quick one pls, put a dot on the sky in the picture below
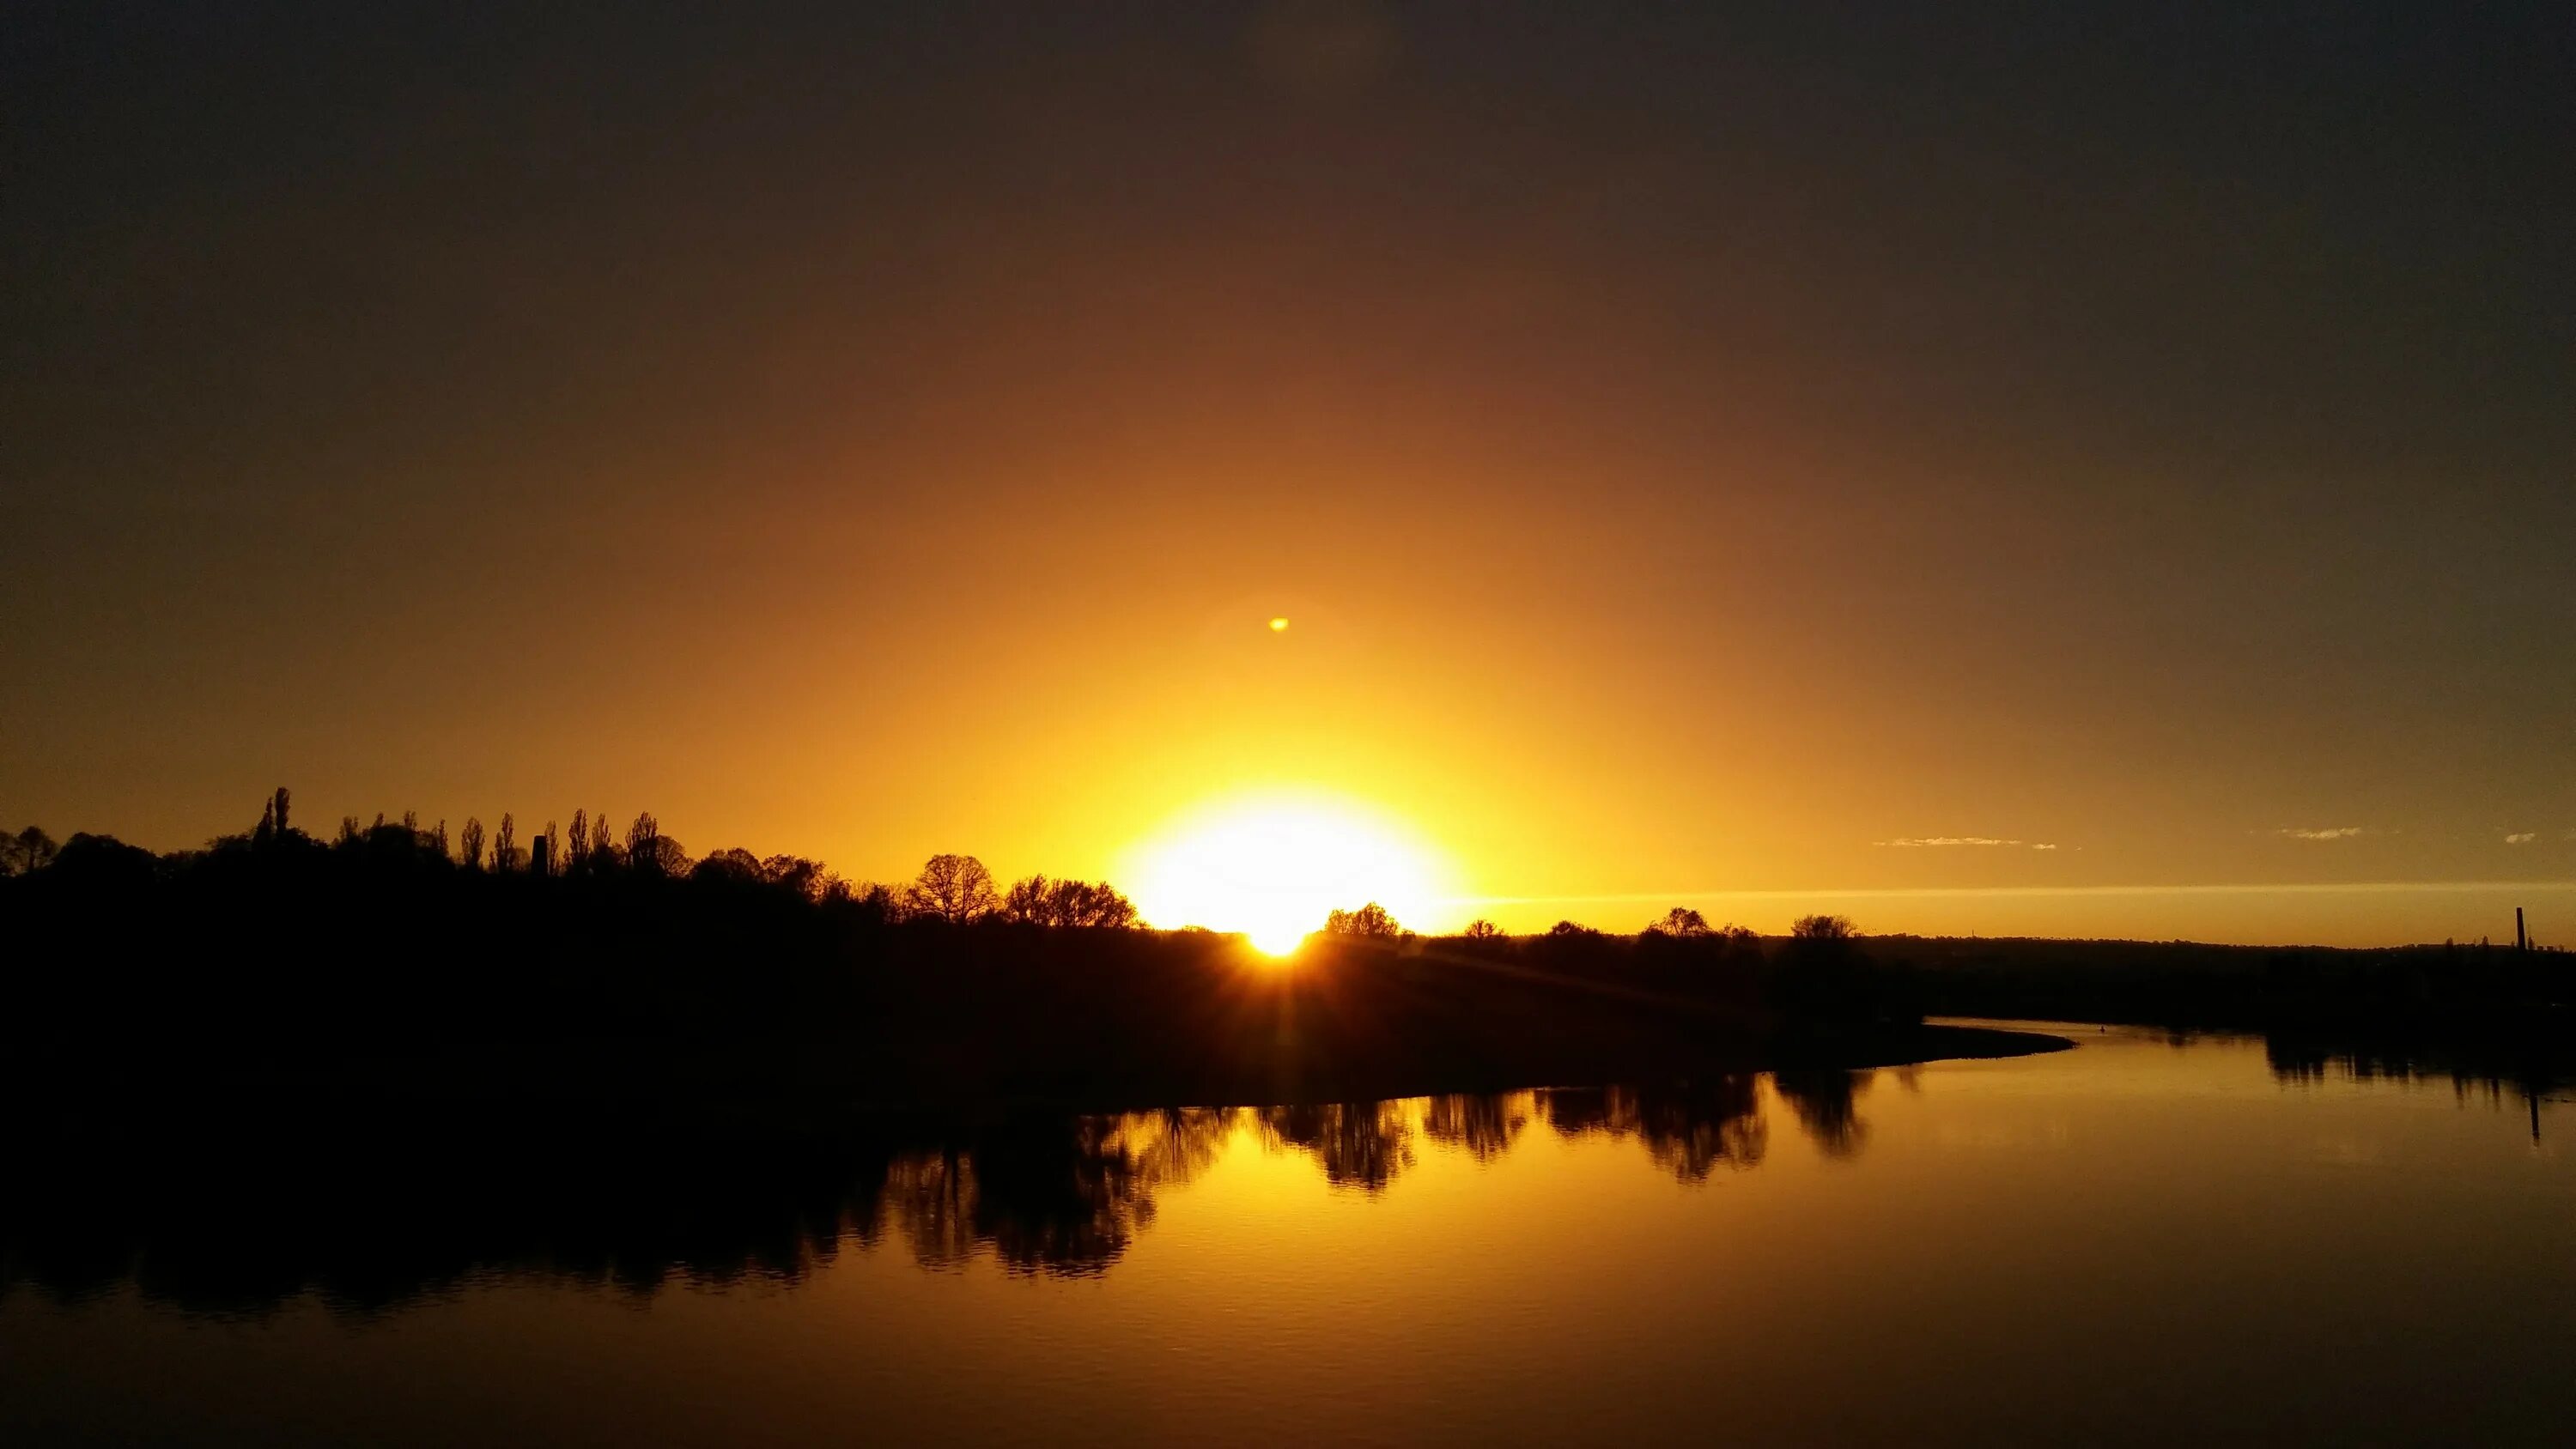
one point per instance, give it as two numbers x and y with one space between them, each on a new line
2072 470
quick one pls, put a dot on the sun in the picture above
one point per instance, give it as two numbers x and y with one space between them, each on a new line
1272 867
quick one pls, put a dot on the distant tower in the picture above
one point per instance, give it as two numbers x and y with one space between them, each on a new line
537 851
2521 942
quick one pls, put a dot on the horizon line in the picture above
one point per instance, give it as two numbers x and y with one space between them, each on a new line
1919 892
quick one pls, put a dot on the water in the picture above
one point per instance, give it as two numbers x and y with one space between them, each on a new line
2134 1241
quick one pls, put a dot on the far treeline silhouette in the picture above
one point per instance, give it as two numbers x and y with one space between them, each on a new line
593 962
590 961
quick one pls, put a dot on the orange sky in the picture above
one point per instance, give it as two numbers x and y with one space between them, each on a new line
1694 459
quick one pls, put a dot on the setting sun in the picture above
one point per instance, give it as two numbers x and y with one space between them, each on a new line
1273 867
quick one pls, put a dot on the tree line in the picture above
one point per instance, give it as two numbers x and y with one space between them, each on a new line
950 889
1680 924
597 960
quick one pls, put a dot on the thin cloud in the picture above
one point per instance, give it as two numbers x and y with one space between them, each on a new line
2522 837
2239 888
2337 832
1919 842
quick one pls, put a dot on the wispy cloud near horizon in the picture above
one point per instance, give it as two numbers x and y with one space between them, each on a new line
2337 832
1918 842
2522 837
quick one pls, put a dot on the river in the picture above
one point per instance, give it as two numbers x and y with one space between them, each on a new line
2140 1240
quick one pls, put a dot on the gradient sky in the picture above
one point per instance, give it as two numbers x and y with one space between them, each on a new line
1701 449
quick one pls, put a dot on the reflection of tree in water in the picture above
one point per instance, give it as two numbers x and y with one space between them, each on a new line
2498 1067
1484 1125
1176 1144
1061 1196
2492 1069
931 1197
1360 1144
1689 1129
366 1223
1823 1102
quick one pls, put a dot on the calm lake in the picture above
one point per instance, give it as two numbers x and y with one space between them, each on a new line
2137 1241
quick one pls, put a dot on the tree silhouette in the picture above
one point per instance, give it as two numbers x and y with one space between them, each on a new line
1823 973
506 856
650 852
104 860
1481 929
667 857
1682 922
1026 903
1823 928
956 889
272 820
1093 905
643 841
1038 901
603 849
736 865
28 851
469 844
1369 922
807 878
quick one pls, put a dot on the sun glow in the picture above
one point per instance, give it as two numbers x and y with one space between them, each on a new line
1274 867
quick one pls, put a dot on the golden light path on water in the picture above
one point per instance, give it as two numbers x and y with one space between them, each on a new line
1273 865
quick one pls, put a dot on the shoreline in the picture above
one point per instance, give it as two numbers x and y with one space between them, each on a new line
550 1083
